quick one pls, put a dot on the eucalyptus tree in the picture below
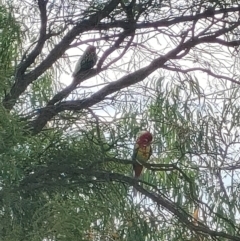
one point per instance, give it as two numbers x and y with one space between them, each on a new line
167 66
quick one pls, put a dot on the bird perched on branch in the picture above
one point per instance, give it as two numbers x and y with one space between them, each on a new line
141 153
86 61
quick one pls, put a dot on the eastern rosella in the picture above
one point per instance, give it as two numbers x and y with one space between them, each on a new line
141 153
86 61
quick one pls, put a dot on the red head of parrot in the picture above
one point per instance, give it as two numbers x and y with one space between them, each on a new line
144 138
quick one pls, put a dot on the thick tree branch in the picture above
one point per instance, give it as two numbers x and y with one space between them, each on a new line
167 22
49 112
21 84
43 179
40 43
90 73
94 23
183 216
150 166
76 81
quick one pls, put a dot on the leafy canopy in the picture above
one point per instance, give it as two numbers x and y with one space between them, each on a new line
166 66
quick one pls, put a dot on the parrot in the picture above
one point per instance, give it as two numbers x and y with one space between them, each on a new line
86 61
141 153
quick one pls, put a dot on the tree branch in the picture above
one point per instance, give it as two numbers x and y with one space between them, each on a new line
21 84
49 112
40 43
208 71
94 23
79 78
167 22
43 179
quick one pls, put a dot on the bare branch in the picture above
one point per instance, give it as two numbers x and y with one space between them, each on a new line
166 22
49 112
76 81
24 80
208 71
114 47
40 43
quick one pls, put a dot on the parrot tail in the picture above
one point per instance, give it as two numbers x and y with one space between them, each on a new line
137 169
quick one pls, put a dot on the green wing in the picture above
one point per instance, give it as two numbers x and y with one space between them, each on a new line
150 152
135 152
138 155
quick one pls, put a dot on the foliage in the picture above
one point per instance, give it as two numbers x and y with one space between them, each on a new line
166 66
10 39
